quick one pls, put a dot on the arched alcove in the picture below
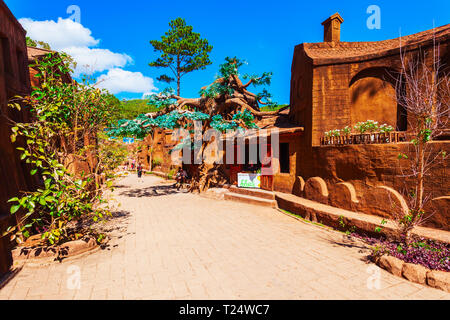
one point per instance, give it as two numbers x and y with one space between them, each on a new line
373 97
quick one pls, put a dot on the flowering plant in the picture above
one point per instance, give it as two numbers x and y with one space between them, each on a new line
360 127
346 131
336 133
433 255
371 126
384 128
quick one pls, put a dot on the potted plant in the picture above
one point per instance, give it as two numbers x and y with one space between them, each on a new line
346 132
386 130
360 127
336 133
372 127
327 139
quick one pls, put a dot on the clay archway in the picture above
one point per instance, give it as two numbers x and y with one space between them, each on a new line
316 189
373 97
299 186
384 201
343 195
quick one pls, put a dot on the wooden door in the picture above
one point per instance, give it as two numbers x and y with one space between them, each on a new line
235 168
266 171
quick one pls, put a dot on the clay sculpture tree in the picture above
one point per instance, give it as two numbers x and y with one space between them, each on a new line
226 104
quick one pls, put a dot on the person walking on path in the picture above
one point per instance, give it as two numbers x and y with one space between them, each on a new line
180 177
139 170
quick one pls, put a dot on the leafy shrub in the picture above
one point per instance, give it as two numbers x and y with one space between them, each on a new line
61 113
346 131
171 174
370 126
431 254
384 128
156 162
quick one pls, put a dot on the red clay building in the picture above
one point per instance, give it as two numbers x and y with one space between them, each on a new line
336 84
14 80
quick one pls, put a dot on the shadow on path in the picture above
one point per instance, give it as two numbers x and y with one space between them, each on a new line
6 278
349 242
154 191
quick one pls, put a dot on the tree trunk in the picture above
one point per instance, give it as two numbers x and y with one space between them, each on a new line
75 133
178 76
420 177
208 175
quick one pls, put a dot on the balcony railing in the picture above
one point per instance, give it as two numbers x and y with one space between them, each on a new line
365 138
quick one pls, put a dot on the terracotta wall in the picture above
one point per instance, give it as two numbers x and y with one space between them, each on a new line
286 182
301 111
14 80
33 79
366 178
331 96
157 147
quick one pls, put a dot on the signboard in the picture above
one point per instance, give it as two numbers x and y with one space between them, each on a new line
128 140
249 180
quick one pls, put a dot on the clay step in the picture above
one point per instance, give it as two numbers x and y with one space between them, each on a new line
258 193
250 199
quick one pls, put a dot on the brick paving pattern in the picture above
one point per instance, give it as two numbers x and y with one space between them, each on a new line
170 245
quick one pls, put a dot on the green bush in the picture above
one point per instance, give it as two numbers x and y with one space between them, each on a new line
61 113
171 174
156 162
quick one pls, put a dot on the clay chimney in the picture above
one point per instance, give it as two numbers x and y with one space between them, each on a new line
332 28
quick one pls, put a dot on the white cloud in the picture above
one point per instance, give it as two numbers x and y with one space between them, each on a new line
119 80
76 40
147 95
59 35
91 60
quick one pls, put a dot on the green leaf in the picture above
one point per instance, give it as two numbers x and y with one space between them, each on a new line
14 209
50 199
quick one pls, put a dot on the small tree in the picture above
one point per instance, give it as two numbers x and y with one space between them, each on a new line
112 154
182 51
37 44
61 113
423 89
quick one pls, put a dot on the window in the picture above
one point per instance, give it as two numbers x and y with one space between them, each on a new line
6 52
20 64
285 163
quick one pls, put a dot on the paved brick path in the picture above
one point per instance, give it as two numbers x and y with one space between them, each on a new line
169 245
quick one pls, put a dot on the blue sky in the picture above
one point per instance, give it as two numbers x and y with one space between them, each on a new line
263 33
